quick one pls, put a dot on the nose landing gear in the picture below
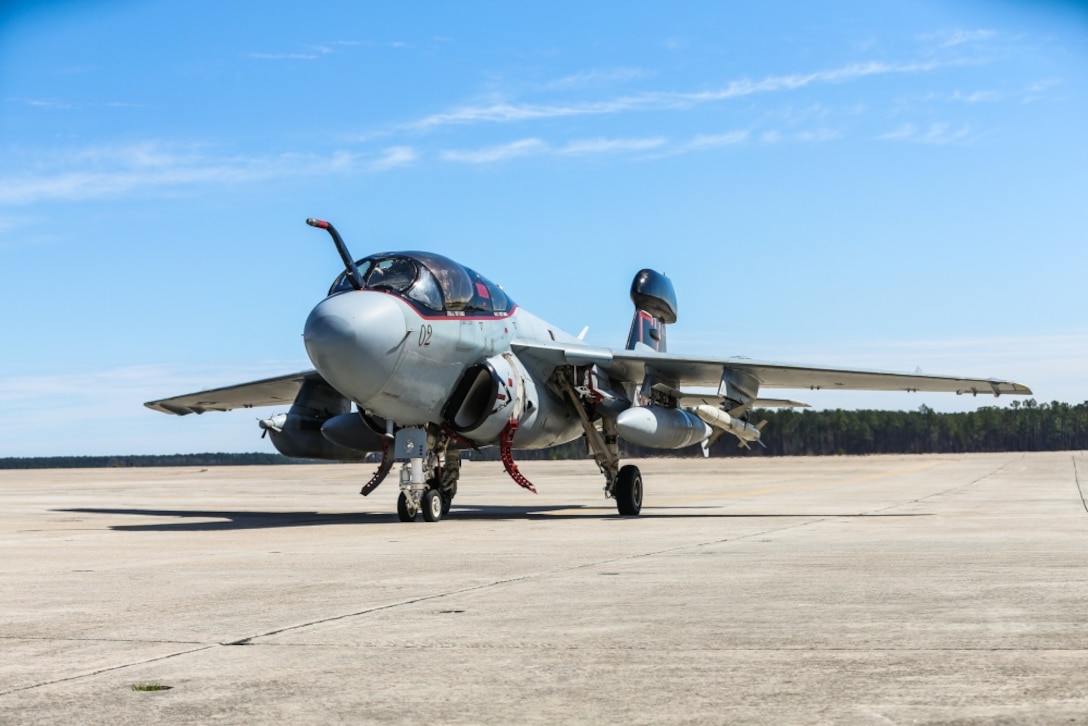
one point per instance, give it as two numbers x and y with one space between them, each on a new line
432 496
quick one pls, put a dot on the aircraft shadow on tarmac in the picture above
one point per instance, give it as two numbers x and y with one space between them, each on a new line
235 520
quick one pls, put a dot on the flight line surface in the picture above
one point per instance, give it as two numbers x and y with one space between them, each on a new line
880 589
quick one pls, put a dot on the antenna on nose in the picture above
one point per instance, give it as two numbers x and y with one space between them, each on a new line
349 264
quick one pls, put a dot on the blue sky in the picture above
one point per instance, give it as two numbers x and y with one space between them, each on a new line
895 185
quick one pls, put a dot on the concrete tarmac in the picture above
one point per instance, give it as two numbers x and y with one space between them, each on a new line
883 589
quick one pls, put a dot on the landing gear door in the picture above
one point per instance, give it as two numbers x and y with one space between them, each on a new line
410 443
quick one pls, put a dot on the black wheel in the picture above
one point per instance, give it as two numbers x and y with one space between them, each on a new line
447 502
403 510
628 491
432 505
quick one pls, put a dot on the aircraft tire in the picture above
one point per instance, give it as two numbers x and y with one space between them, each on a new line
447 494
432 505
404 511
628 491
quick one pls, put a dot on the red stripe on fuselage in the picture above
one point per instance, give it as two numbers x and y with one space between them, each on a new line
439 316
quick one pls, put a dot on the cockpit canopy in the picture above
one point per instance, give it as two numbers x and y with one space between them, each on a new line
429 281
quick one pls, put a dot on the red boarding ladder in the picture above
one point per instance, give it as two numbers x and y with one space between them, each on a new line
506 451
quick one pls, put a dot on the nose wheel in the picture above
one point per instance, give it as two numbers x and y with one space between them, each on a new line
406 508
432 504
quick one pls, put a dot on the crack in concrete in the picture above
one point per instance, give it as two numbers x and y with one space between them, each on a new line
107 669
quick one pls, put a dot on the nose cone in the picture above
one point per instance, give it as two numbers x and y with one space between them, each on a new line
355 340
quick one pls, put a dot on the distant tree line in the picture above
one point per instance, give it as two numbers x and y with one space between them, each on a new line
1027 426
107 462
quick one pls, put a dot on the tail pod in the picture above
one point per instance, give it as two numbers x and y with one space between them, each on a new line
655 307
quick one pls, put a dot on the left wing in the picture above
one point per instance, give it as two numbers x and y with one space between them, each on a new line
266 392
749 374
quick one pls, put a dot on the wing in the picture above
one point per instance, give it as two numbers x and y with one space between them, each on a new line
750 375
701 372
267 392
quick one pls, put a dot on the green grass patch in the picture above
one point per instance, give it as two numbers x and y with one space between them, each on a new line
150 687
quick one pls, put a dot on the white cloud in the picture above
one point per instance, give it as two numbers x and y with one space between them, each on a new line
952 38
595 78
936 133
816 136
110 171
709 141
1037 90
284 56
393 157
660 144
494 154
903 132
535 146
102 411
50 104
512 112
53 104
607 146
976 96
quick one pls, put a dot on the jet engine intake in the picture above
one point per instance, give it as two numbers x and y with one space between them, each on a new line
489 395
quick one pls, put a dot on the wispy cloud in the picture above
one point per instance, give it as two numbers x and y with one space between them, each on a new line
816 136
660 145
535 146
1038 89
393 157
108 171
710 141
976 96
284 56
936 133
609 146
54 104
495 154
65 411
595 78
308 53
953 38
503 112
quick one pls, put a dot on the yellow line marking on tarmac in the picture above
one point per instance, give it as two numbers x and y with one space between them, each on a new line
793 487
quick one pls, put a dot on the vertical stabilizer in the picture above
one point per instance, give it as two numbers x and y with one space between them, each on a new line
655 307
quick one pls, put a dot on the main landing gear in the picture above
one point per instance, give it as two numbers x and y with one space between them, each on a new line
622 484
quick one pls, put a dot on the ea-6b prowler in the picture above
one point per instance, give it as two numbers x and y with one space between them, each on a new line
417 356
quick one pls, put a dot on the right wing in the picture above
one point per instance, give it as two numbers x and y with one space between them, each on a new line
266 392
750 375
